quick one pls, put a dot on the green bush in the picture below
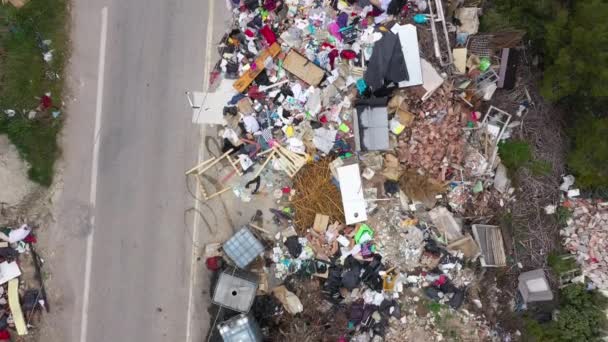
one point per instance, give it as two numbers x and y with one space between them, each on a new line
516 154
575 53
560 264
529 15
588 158
580 317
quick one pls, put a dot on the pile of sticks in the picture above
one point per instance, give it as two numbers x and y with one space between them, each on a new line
315 194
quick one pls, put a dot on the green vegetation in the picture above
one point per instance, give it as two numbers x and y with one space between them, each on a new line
434 307
575 53
562 215
580 318
560 263
24 75
516 154
571 39
589 157
519 14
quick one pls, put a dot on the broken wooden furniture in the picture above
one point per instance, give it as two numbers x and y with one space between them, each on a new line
492 247
199 170
443 52
494 124
289 161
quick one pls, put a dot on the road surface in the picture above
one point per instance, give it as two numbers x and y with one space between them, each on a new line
120 251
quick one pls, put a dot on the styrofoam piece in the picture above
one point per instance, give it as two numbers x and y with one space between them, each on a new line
352 194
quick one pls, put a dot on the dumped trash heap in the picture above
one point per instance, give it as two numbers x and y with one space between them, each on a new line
586 236
374 116
22 291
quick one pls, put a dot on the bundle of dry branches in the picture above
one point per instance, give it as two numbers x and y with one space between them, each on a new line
315 194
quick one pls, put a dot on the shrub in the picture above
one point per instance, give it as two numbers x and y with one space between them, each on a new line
516 154
580 318
588 158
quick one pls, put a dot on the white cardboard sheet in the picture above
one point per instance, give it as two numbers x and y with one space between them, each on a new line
208 108
409 44
352 194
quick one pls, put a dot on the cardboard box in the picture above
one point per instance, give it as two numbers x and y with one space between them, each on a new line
321 222
303 68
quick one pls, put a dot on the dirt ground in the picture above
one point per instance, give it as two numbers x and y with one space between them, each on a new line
13 175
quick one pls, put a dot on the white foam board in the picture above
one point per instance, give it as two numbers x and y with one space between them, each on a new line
352 194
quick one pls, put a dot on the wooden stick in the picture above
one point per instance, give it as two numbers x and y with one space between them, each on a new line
260 229
264 164
199 166
215 162
219 193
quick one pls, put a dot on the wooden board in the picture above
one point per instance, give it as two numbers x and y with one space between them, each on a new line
245 80
15 306
303 68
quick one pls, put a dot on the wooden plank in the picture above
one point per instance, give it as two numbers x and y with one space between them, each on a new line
265 162
245 80
192 170
15 306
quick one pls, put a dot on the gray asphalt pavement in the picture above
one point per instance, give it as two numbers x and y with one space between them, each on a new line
142 243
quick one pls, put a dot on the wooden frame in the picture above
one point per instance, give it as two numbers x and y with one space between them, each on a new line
201 168
290 162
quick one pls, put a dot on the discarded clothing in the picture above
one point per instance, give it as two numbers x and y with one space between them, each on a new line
294 246
387 63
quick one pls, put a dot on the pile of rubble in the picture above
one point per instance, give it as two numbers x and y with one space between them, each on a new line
586 236
383 154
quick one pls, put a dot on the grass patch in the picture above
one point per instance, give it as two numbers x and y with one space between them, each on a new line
562 215
516 154
561 263
25 75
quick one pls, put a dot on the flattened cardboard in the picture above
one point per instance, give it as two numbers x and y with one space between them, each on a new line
303 68
321 223
408 36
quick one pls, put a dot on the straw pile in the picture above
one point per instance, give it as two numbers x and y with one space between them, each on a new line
315 194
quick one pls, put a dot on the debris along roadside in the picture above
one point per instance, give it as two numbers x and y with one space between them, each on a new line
22 291
382 159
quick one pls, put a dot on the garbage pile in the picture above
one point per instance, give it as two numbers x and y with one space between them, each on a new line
386 153
22 293
586 236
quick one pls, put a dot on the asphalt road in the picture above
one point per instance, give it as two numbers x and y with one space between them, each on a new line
121 249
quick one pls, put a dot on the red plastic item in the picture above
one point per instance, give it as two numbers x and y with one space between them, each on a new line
30 239
348 54
46 102
270 5
332 57
213 263
270 37
5 335
286 190
249 33
442 280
